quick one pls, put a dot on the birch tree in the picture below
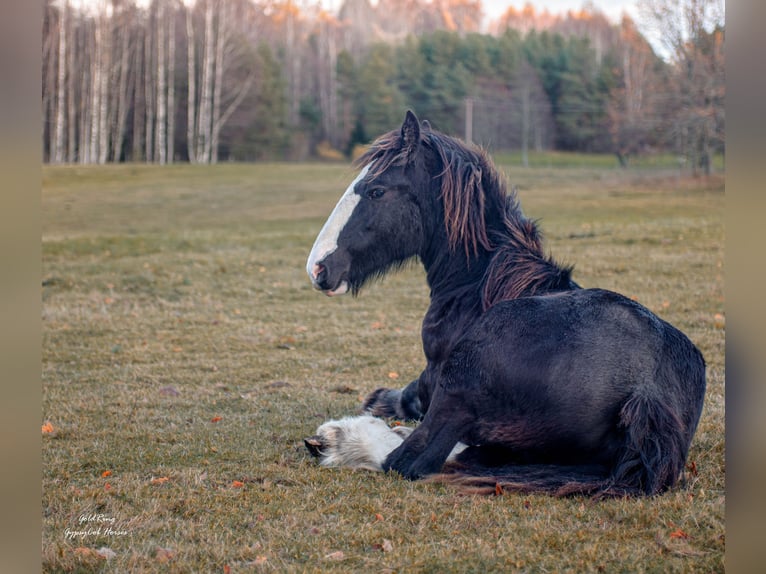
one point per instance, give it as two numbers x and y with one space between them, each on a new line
149 93
206 98
191 95
58 151
220 40
631 109
95 93
121 111
72 91
171 84
162 95
139 97
104 23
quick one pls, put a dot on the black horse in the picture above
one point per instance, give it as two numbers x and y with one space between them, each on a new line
554 388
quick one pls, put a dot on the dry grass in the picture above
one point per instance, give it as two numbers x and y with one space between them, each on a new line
182 341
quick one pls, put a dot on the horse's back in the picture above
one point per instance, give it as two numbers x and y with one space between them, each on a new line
593 325
583 351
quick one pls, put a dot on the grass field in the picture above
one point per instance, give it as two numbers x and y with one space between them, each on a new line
185 357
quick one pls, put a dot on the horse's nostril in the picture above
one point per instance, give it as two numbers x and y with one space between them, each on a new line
320 274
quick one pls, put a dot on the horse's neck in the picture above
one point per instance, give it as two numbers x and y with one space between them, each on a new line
446 321
455 302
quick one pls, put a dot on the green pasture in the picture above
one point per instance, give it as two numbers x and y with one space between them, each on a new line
186 356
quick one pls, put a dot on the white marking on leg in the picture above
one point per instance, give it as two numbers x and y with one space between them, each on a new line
327 240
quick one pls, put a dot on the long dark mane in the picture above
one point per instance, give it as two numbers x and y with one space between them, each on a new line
480 214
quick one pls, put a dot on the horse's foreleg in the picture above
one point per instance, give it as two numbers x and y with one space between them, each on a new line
402 404
425 451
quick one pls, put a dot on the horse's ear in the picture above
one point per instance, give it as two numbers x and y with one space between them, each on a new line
425 125
410 133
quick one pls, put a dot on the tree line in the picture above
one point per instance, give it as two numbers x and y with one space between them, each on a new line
249 80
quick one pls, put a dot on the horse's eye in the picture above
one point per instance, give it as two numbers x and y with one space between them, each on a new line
376 193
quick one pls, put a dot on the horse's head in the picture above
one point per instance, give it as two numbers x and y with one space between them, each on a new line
378 222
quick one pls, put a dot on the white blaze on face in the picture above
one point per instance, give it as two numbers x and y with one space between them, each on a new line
327 240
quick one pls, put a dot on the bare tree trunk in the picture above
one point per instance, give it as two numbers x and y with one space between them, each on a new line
294 66
86 84
327 81
48 90
58 152
95 102
244 89
71 97
139 102
119 130
149 98
161 86
204 126
218 82
106 66
191 105
333 108
171 84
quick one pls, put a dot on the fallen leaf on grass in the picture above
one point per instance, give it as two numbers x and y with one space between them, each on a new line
692 468
393 375
337 555
107 486
106 473
48 428
498 489
679 534
238 484
163 555
215 419
159 480
378 517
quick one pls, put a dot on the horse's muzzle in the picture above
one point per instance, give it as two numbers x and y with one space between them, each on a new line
320 279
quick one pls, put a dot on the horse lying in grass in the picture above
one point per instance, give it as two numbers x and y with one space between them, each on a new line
552 388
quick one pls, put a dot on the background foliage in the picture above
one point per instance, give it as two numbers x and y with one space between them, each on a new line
271 79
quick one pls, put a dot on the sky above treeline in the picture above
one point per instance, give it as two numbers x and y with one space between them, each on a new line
492 8
613 9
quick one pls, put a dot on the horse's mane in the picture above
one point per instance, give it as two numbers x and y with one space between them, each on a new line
474 194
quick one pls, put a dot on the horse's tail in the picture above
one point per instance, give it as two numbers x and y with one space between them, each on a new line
655 443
